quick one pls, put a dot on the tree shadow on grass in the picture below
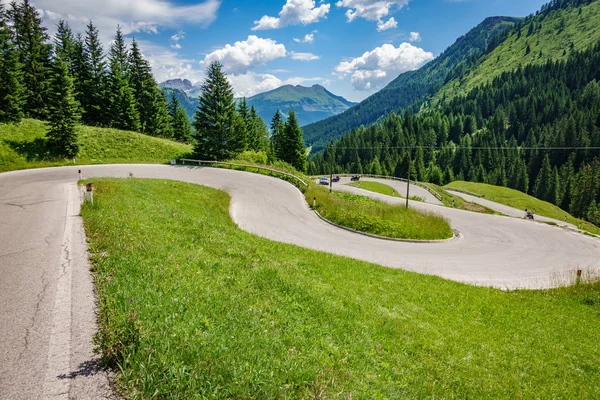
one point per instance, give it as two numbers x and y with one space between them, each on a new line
35 150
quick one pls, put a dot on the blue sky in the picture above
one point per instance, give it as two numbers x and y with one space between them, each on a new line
352 47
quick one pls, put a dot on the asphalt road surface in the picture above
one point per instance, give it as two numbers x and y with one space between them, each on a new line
46 294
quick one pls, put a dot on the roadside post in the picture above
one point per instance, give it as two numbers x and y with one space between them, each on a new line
408 182
330 183
79 172
89 193
314 202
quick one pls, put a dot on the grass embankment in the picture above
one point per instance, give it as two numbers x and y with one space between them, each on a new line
450 200
357 212
366 215
381 188
521 201
24 146
193 307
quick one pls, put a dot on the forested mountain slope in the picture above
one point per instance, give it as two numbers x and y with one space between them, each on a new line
411 87
536 129
558 29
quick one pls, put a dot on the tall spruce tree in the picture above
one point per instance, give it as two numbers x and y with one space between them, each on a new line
294 151
215 117
257 133
11 90
63 113
30 39
144 88
123 111
182 128
160 122
64 43
78 68
277 132
94 90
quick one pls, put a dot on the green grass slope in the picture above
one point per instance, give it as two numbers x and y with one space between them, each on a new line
554 35
193 307
521 201
24 146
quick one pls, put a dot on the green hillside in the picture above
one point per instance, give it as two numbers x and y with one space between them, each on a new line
309 103
24 146
410 88
551 35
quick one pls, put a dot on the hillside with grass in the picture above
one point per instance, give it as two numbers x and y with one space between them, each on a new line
550 35
197 308
24 146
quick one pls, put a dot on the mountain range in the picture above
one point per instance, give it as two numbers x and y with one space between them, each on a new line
310 104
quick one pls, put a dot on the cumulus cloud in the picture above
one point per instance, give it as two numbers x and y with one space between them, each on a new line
415 37
384 26
304 56
308 38
167 64
372 10
294 12
246 54
376 68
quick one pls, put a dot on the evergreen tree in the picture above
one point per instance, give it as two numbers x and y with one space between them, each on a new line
244 124
94 96
182 128
419 173
257 134
30 39
144 87
294 151
215 118
11 90
78 68
64 43
277 132
160 122
63 113
123 112
543 184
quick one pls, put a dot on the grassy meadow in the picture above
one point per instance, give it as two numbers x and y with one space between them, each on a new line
23 146
521 201
190 306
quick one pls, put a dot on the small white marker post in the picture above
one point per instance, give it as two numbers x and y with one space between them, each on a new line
314 202
79 172
89 194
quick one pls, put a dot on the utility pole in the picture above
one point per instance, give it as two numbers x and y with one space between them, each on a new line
330 182
408 183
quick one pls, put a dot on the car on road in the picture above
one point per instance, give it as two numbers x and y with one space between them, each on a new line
336 178
355 178
324 181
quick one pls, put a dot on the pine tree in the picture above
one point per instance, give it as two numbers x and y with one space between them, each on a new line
30 39
160 122
543 184
182 128
94 99
78 68
11 90
244 124
215 117
277 131
64 43
144 86
63 113
257 135
123 112
294 150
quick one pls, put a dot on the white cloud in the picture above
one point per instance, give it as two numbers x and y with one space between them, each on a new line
167 64
415 37
176 38
384 26
304 56
294 12
376 68
308 38
372 10
246 54
132 15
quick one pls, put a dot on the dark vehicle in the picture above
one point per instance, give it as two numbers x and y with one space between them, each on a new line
529 215
355 178
336 178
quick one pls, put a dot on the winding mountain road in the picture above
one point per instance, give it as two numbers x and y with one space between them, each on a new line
46 293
